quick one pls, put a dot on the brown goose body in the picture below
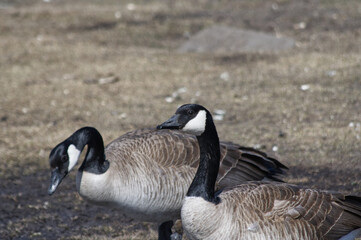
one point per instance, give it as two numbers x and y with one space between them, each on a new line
257 210
150 171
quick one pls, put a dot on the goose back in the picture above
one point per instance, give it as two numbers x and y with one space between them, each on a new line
172 148
272 211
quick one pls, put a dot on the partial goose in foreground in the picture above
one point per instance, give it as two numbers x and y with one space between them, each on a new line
146 173
255 210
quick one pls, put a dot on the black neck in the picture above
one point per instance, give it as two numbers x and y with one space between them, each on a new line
94 161
203 184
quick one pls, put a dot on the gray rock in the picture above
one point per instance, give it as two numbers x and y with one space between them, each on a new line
221 39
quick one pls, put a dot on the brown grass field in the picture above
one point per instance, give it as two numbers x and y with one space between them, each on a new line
52 55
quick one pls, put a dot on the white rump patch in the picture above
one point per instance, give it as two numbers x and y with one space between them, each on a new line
73 154
197 125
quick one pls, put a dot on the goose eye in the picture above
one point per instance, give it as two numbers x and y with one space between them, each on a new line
190 112
64 158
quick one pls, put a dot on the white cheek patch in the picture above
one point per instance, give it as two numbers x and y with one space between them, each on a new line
73 154
197 125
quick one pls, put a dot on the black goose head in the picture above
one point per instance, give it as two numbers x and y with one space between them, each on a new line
191 118
62 159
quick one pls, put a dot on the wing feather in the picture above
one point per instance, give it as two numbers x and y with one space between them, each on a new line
332 214
170 148
239 164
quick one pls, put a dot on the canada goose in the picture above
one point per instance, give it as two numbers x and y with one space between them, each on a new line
255 210
146 173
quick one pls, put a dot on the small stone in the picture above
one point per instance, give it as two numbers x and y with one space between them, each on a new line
182 90
122 115
331 73
305 87
169 99
40 38
102 81
41 153
131 6
68 76
257 146
107 80
274 6
224 76
117 14
219 114
218 117
300 25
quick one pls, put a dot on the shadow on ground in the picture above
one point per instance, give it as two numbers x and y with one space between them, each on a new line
28 212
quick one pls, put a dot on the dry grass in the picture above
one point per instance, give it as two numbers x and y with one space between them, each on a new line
51 52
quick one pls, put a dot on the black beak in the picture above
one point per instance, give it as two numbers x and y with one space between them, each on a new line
56 178
171 123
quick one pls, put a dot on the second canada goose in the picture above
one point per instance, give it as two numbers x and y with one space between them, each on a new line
146 173
255 210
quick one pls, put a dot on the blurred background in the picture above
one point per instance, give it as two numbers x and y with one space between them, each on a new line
282 76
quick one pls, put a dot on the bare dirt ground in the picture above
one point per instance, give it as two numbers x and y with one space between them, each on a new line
303 106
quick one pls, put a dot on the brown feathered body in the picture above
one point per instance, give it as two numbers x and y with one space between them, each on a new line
150 172
257 210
